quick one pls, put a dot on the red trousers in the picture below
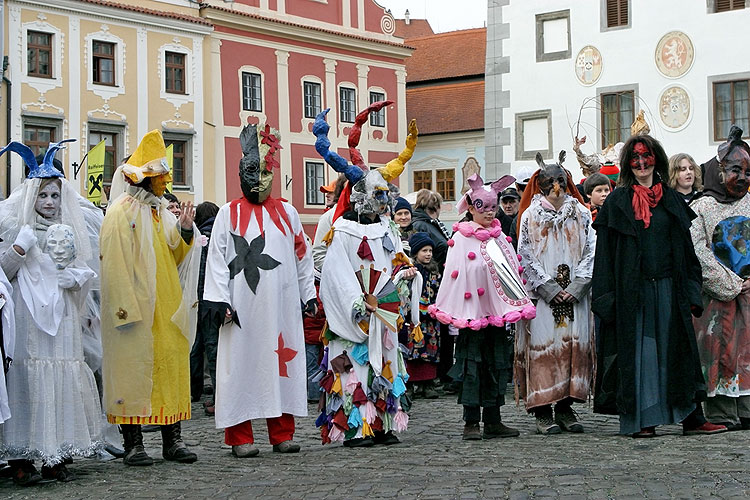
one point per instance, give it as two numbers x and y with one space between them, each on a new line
280 429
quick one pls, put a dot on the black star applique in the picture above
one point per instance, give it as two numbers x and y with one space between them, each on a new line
250 260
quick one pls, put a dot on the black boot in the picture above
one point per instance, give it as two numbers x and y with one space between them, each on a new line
173 447
135 453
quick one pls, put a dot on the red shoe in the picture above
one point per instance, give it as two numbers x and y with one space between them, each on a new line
707 428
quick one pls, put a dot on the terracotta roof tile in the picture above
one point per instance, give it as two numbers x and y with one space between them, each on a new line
447 55
415 28
143 10
445 108
289 23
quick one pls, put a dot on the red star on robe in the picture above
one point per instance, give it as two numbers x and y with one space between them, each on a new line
285 356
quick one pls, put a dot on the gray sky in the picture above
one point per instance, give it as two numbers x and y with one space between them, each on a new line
443 15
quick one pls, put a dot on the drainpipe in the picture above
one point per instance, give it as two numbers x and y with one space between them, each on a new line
8 85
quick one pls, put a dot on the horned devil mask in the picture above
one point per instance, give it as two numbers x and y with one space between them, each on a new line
258 161
372 192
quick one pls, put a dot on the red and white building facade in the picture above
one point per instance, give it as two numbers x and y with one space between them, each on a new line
281 62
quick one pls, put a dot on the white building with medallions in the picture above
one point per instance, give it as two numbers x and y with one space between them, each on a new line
557 67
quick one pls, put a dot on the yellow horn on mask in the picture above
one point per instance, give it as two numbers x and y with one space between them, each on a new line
393 168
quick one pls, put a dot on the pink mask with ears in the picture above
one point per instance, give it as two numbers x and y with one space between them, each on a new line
483 198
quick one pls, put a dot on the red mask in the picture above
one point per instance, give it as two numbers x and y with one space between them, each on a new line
643 157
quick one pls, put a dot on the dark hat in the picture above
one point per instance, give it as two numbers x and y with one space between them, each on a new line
418 241
402 203
734 140
510 192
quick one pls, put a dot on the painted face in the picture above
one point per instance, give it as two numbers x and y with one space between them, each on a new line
736 169
60 245
685 174
159 184
484 218
643 162
424 256
174 207
48 201
599 194
510 206
402 218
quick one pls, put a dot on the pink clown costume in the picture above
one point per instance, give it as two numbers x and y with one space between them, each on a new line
482 283
482 292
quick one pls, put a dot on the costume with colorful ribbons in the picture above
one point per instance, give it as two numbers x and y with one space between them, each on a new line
362 355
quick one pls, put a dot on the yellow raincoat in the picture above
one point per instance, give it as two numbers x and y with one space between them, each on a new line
146 320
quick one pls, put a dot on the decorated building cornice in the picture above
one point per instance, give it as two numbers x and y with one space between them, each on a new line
254 22
124 13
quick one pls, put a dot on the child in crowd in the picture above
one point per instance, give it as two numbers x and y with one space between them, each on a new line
597 187
481 294
423 340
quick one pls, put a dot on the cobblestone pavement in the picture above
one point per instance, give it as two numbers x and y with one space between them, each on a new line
432 462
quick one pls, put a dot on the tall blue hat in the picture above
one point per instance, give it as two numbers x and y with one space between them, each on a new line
46 169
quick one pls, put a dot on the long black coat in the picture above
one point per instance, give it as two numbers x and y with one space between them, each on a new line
616 289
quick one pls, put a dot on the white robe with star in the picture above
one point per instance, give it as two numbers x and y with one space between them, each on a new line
260 365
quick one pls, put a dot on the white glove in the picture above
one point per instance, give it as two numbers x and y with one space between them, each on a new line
26 238
65 279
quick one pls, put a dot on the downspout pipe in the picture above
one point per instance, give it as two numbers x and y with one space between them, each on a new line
8 85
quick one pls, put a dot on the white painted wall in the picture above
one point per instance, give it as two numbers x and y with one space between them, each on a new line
628 58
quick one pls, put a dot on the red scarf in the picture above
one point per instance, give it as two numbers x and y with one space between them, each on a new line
644 199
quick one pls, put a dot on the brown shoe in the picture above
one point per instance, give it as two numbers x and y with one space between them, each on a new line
546 426
499 430
472 432
567 421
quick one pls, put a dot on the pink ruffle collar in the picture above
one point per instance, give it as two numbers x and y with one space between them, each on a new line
470 228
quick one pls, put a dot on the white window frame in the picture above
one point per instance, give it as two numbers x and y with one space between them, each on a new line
318 81
347 86
176 100
106 127
106 92
245 114
42 84
380 91
305 162
188 138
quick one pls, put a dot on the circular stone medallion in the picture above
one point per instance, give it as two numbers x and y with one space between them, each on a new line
588 65
674 54
675 107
